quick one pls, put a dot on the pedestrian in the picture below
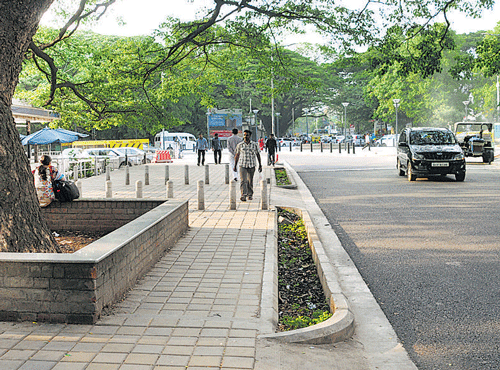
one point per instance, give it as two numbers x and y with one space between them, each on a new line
232 142
367 141
201 146
247 151
271 147
217 148
44 175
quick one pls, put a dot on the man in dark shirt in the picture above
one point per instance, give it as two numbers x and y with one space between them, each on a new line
216 147
271 147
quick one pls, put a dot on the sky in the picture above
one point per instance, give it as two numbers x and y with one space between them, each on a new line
142 17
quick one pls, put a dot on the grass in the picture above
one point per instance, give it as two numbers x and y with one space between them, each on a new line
281 177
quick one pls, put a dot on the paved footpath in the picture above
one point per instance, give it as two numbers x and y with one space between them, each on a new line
198 308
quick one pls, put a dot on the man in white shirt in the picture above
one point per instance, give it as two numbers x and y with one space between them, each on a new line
232 142
248 153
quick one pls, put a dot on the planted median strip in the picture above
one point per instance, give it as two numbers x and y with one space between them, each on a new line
301 300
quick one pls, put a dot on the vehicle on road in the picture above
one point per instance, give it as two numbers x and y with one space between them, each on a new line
476 139
105 153
428 151
386 140
134 155
168 140
286 141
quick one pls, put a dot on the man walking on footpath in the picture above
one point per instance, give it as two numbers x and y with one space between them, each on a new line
201 146
232 142
271 147
247 151
216 147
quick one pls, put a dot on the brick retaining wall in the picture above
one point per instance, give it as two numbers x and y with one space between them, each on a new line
74 288
96 214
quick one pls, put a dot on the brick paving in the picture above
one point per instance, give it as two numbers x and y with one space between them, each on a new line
198 308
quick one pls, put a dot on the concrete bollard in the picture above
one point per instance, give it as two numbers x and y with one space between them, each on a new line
264 204
170 189
79 185
167 174
232 195
186 174
207 174
201 196
108 173
138 189
146 175
226 174
109 192
127 175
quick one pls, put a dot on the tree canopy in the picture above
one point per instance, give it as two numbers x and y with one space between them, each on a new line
141 81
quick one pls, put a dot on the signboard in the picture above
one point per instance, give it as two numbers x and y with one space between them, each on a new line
352 129
221 133
225 119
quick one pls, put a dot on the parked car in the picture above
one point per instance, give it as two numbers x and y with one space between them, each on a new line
71 152
429 152
134 155
285 141
105 153
386 140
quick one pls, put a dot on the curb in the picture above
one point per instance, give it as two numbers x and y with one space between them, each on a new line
293 184
337 328
340 326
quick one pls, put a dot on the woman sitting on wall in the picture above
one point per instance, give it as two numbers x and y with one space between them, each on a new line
45 174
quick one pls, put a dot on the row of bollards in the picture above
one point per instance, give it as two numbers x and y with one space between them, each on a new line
264 204
167 174
138 189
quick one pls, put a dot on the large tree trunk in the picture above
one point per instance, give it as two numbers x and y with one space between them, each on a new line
22 228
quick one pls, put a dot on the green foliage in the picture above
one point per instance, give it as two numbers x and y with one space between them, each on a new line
281 176
298 322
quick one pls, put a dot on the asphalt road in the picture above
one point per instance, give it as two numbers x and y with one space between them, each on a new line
429 251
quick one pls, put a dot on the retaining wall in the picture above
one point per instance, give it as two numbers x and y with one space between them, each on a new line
74 288
103 215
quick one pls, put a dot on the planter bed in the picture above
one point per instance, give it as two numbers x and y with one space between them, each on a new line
76 287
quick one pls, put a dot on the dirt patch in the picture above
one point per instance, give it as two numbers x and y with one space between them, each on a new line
71 241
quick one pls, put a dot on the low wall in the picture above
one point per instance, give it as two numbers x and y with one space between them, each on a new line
74 288
103 215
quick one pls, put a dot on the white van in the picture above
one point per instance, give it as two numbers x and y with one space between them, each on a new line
165 139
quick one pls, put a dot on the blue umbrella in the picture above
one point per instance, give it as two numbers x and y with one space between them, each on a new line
48 136
63 130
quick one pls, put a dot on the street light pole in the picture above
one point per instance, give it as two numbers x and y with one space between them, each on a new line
396 105
498 101
466 103
278 124
306 111
345 117
208 128
255 111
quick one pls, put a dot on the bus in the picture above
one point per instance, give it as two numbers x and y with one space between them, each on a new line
165 139
88 144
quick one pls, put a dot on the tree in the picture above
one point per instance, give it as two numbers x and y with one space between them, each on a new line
251 24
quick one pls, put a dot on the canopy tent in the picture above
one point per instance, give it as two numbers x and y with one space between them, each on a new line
69 132
48 136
